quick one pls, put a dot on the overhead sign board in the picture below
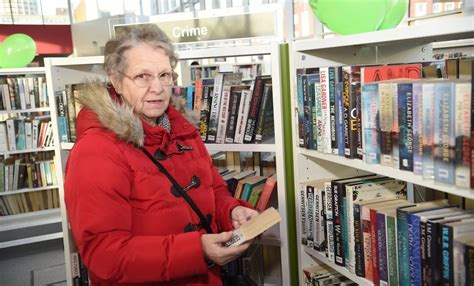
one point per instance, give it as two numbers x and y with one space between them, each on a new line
252 25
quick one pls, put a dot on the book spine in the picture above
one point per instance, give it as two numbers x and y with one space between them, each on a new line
252 118
367 243
337 207
428 111
332 109
303 211
310 212
299 91
313 97
395 130
444 133
405 123
382 249
386 92
234 103
358 242
204 113
413 224
329 222
423 250
307 112
325 110
374 244
265 116
370 116
214 110
402 242
446 244
359 131
242 117
339 119
390 224
417 129
463 134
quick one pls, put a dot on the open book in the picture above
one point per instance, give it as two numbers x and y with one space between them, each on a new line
254 227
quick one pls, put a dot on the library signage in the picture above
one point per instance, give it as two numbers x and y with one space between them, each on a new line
217 28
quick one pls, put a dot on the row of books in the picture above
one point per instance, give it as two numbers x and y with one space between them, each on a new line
232 110
17 174
324 275
67 109
366 225
24 133
414 125
23 92
29 202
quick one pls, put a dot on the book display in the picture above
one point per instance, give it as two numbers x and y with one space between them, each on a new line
30 219
366 107
65 74
28 186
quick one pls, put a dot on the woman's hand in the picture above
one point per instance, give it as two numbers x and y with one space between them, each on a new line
241 214
215 251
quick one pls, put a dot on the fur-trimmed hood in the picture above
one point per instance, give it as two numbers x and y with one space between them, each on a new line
120 118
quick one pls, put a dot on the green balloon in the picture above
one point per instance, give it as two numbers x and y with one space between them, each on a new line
347 17
17 50
395 13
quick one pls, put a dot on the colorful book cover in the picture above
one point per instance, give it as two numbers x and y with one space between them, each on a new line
332 108
444 140
395 130
417 128
313 94
325 110
386 92
339 119
387 72
300 100
405 124
463 134
351 86
370 118
402 236
363 191
428 112
329 221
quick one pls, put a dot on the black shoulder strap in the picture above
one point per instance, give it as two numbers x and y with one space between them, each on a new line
181 191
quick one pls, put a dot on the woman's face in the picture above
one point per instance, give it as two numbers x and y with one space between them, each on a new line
140 86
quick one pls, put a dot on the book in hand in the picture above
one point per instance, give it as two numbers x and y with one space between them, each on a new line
254 227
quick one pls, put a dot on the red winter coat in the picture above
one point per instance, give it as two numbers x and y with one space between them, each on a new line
129 228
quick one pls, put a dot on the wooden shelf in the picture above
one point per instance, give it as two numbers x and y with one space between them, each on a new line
322 258
390 172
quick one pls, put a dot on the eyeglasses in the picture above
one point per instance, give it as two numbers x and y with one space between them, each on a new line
145 80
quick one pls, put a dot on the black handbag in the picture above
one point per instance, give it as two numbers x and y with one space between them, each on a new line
227 278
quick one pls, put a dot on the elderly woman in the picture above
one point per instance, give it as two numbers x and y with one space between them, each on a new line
130 226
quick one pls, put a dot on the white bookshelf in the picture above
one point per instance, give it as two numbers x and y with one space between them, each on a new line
62 71
21 224
399 45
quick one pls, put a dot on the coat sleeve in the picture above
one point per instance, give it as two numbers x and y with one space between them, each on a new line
97 188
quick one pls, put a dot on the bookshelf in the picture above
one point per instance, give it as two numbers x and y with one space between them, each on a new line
31 231
62 71
400 45
17 227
